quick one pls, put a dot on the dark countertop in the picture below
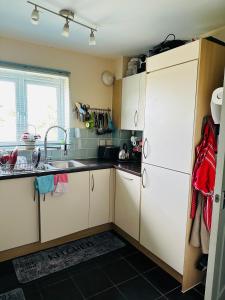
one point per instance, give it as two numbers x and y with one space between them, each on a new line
131 167
89 164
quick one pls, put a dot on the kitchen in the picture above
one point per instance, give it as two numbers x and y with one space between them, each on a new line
98 153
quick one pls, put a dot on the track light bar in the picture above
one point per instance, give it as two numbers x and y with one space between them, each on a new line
68 19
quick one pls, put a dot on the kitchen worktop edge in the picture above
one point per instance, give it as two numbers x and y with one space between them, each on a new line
89 165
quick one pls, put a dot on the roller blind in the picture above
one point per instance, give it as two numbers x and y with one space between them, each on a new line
31 99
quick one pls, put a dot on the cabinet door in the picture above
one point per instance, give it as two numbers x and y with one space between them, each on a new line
18 213
164 206
127 203
130 98
67 213
169 117
99 197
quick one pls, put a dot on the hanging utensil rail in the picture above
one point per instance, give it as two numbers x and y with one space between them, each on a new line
99 109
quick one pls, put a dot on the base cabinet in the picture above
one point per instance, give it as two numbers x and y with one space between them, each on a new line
127 203
164 206
67 213
99 212
19 224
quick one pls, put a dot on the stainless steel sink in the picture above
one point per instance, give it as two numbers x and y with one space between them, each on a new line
65 164
52 165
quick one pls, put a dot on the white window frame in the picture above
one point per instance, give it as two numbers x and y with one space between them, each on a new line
21 79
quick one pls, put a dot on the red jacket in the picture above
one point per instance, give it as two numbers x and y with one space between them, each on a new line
204 173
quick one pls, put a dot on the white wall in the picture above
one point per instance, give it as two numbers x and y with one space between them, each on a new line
85 81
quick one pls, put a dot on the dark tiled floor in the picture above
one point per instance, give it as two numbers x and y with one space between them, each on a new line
124 274
162 280
119 271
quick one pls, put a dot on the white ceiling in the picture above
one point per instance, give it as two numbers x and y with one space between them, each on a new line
125 27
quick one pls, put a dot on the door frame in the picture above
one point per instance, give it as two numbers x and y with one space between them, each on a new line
214 259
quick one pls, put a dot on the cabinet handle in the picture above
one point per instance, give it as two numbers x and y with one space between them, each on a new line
135 118
93 183
142 178
144 147
127 178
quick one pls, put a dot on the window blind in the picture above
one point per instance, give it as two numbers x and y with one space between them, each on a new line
31 68
41 99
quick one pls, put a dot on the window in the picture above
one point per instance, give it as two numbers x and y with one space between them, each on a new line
28 100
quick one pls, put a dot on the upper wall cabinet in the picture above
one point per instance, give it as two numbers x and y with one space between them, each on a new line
133 102
173 57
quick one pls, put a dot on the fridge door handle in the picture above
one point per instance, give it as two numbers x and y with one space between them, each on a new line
142 178
127 178
93 183
144 147
135 118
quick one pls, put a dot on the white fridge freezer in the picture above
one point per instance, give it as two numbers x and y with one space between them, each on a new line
167 161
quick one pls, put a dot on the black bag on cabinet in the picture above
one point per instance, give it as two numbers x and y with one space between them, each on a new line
166 45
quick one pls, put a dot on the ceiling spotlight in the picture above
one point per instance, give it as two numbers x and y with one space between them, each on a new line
92 40
66 29
35 16
68 15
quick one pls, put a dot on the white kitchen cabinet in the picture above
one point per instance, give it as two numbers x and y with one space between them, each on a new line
19 224
164 206
67 213
133 102
99 212
178 55
169 117
127 203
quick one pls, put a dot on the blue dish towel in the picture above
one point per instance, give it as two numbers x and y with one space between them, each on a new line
44 184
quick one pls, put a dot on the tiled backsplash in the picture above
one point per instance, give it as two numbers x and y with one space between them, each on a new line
84 142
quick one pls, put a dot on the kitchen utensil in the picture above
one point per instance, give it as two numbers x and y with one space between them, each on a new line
13 158
36 155
106 120
30 139
96 120
122 154
125 147
91 122
4 159
110 123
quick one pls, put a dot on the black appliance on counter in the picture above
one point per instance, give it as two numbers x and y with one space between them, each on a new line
108 152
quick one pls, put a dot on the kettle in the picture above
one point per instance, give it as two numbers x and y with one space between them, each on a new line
123 154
